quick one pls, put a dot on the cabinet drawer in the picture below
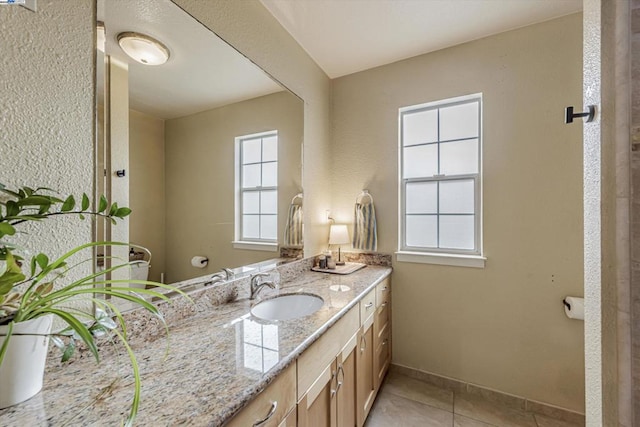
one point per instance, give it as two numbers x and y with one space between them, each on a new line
367 307
272 405
383 354
383 292
382 315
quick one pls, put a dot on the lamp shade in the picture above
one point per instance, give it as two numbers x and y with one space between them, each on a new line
338 235
142 48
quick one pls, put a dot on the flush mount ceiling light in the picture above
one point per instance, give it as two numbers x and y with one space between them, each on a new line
142 48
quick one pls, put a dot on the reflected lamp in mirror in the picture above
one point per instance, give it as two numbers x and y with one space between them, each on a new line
143 49
339 235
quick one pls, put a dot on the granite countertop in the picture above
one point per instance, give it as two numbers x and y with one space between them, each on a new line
220 357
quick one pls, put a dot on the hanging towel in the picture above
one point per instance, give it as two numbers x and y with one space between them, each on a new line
293 229
365 234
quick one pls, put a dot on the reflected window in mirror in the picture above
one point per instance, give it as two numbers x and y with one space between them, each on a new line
257 172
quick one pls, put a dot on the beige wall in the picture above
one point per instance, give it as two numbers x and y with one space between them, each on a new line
251 29
503 326
200 175
146 187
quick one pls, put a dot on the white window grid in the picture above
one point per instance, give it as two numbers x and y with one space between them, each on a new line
260 189
439 178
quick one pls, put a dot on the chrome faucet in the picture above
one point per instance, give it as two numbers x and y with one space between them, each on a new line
220 276
256 285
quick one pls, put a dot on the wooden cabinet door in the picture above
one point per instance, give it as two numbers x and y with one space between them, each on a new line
317 408
346 377
365 388
291 420
382 333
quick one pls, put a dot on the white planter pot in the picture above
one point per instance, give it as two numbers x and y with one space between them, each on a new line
22 370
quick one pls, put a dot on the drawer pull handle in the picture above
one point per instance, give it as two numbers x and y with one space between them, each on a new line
363 344
274 406
384 289
337 379
384 304
385 342
368 306
334 374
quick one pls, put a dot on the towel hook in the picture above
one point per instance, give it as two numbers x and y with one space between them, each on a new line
297 196
569 115
363 194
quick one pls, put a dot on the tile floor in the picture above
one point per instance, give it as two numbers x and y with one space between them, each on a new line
407 402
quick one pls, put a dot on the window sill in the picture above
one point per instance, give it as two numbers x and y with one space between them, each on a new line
475 261
255 246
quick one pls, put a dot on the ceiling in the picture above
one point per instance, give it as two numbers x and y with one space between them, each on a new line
203 71
347 36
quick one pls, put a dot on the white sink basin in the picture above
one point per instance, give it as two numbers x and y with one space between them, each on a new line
285 307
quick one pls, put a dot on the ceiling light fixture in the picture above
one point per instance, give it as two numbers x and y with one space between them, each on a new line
142 48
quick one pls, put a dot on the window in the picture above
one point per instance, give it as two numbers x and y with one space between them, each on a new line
440 152
257 185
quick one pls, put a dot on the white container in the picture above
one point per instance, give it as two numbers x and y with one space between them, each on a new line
139 271
22 370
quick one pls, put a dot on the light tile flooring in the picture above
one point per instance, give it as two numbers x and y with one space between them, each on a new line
408 402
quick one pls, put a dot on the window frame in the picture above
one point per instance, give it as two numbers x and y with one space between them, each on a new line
448 256
240 241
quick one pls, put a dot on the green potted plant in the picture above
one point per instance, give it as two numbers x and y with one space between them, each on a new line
31 294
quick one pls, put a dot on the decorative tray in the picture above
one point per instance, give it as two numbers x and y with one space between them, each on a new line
347 268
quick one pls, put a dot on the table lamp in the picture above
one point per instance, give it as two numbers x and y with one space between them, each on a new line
339 235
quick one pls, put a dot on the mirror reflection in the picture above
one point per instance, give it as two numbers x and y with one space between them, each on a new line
210 159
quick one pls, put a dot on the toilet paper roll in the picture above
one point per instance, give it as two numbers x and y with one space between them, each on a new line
199 261
574 307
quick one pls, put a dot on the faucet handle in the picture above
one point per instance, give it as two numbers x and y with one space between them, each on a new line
254 277
228 273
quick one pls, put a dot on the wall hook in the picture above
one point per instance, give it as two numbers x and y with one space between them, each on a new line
569 115
120 173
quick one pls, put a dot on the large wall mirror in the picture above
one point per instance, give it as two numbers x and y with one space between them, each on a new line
212 151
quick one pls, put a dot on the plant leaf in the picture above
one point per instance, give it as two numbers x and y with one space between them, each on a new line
34 200
78 327
102 206
122 212
11 275
42 260
68 204
7 229
44 208
68 351
85 202
12 208
44 288
5 343
114 209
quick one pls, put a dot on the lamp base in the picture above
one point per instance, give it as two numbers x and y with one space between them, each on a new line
340 263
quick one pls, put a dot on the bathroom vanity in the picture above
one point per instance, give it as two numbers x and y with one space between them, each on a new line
227 366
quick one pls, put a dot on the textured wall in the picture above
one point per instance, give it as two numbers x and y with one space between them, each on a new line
46 109
503 326
601 219
251 29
